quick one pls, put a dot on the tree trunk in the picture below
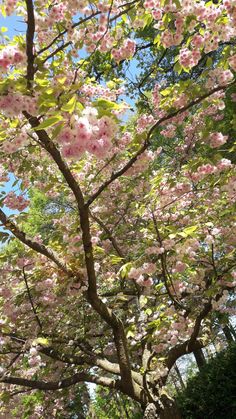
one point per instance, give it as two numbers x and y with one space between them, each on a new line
150 411
200 358
228 334
179 376
169 411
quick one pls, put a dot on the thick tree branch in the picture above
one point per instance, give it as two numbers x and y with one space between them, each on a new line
105 312
92 296
81 377
39 248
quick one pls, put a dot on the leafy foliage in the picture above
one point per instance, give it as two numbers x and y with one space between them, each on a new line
211 393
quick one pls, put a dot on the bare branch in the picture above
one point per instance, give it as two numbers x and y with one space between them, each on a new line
31 300
81 377
30 42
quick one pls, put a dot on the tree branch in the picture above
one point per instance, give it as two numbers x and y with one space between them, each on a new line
146 144
39 248
81 377
31 300
109 235
92 296
50 147
30 42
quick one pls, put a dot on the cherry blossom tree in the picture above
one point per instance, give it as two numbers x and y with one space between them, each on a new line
117 128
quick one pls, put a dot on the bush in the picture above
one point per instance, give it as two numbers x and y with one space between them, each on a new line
212 392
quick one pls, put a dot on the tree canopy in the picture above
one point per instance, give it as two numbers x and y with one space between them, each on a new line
117 163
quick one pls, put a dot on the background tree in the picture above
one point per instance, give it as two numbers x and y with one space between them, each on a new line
211 391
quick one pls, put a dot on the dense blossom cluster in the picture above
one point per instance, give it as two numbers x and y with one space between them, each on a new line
11 55
87 133
16 202
127 50
12 104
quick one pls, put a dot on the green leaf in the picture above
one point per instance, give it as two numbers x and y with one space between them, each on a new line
143 301
70 106
49 122
188 231
130 334
148 312
157 40
3 11
209 62
124 270
165 92
178 68
42 341
57 130
115 259
79 107
105 104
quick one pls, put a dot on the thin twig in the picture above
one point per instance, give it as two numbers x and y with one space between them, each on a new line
31 300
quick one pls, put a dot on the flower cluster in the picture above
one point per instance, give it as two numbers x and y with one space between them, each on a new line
217 139
219 76
14 104
3 175
141 275
10 6
126 51
143 122
13 145
87 133
11 56
16 202
34 358
188 58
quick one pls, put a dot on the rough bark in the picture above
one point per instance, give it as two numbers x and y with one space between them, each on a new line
169 410
228 334
199 357
150 411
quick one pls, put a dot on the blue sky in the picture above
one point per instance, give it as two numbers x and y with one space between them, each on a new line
15 27
14 24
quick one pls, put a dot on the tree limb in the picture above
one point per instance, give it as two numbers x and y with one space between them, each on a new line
146 144
30 42
57 385
39 248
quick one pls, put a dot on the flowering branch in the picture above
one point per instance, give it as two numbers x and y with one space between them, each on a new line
146 144
39 248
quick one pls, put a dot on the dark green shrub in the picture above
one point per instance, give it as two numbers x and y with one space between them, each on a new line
211 394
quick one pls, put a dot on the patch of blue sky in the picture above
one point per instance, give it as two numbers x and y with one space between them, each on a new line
15 25
5 189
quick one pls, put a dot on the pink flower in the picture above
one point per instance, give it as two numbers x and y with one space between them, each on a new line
217 139
15 202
